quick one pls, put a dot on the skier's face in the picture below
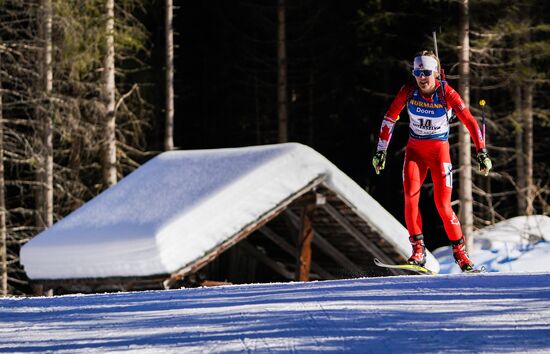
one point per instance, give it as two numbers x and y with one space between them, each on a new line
425 69
426 83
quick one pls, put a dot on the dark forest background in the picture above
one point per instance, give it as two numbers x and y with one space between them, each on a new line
341 79
346 60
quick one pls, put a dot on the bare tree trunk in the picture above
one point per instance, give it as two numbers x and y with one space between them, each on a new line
520 150
311 119
465 180
169 33
109 158
282 99
47 128
3 232
257 109
528 128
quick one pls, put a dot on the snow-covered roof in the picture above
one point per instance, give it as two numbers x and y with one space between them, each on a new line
182 204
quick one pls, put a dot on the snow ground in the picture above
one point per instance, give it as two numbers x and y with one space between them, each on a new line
520 244
490 313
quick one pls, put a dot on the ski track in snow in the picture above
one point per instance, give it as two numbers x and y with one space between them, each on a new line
447 313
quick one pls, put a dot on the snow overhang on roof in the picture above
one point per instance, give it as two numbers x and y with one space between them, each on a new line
176 210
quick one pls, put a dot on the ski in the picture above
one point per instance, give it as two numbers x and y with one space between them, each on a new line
475 270
422 270
410 267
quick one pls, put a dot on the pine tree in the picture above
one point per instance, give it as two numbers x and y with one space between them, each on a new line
3 232
45 114
464 147
511 54
21 81
108 98
282 90
47 45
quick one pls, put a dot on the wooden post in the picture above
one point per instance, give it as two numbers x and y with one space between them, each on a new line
326 247
305 238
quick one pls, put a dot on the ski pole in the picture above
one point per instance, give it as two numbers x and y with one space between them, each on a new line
434 35
482 104
441 74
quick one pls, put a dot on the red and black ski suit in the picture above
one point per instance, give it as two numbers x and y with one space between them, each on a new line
428 148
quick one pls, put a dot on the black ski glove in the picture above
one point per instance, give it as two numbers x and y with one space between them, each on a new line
484 161
379 161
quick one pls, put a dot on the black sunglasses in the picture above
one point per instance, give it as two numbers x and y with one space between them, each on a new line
420 72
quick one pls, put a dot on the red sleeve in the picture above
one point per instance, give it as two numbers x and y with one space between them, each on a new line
391 117
398 102
463 113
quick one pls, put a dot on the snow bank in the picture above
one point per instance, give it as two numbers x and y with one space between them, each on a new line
181 204
519 244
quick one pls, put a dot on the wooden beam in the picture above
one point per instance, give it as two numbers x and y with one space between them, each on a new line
211 283
309 198
277 267
242 234
327 247
305 238
285 246
356 234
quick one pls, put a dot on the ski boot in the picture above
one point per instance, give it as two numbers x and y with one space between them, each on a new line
461 256
419 250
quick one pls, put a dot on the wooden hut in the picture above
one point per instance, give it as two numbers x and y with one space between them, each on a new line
207 217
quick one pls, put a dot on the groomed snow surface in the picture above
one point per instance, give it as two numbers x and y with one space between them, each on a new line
490 313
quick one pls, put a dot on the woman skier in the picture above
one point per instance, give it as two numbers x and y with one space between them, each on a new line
430 102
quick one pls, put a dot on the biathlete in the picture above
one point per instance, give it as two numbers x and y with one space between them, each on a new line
430 102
